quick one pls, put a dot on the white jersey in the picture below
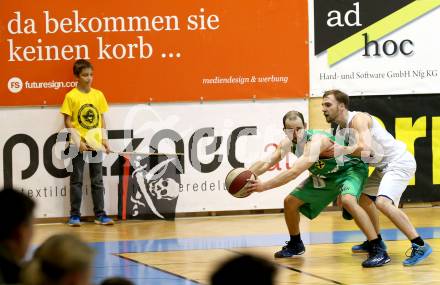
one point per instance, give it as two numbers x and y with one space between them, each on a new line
385 147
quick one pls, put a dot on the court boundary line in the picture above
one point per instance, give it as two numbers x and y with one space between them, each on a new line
298 270
310 274
155 268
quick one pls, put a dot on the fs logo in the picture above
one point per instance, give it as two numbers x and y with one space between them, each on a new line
15 85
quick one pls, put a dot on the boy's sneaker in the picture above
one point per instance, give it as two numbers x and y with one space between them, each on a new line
74 221
104 220
363 247
418 253
290 249
376 257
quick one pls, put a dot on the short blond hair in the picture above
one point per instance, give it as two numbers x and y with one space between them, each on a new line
59 256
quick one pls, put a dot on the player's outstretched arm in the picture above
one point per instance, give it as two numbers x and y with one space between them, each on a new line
263 165
311 154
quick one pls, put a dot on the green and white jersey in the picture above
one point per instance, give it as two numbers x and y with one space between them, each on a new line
327 167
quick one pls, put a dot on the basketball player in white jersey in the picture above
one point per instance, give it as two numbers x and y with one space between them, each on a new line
394 167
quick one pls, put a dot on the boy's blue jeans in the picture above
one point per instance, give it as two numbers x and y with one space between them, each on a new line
76 182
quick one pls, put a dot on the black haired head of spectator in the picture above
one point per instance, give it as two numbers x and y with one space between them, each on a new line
244 269
16 221
117 281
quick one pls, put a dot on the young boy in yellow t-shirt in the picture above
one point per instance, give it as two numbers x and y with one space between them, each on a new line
83 109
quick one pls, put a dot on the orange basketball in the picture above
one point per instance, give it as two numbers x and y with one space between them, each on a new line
236 181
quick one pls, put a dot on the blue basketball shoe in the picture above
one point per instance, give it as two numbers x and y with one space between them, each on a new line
418 254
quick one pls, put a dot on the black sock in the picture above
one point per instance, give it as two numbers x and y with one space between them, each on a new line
375 241
418 240
295 238
379 237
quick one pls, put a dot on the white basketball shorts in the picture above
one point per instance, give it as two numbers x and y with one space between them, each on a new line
393 179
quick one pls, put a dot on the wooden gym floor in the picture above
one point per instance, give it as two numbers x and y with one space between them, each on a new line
186 251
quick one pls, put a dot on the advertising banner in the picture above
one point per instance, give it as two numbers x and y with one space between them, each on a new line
373 47
205 141
154 51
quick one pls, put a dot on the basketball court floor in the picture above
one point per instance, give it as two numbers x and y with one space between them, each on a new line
187 250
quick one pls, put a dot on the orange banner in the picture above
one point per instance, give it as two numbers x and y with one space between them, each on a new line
154 51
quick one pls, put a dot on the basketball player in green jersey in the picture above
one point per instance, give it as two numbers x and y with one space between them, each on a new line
328 178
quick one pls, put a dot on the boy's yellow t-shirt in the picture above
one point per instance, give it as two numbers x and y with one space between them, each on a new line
86 111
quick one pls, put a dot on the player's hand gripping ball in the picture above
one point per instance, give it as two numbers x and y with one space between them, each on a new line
236 182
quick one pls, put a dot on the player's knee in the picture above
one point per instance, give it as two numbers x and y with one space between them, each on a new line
348 201
291 202
383 202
